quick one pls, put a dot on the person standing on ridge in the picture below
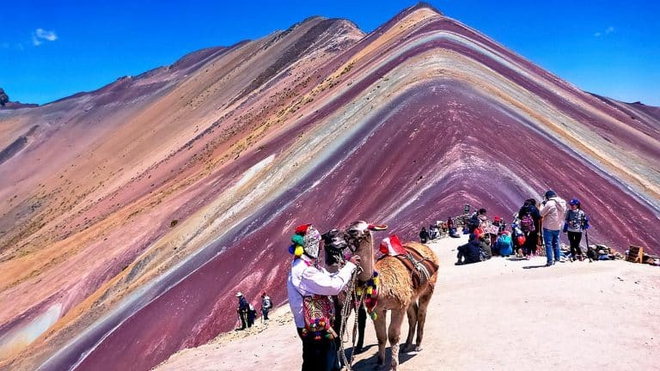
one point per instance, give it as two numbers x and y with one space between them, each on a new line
243 308
576 222
531 226
553 213
266 304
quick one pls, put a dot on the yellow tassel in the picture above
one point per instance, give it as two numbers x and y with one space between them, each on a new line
298 251
376 281
369 290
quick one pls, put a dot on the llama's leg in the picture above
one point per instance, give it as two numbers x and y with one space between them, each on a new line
381 334
421 316
412 324
394 334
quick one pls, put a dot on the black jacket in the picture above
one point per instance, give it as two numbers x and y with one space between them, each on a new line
534 212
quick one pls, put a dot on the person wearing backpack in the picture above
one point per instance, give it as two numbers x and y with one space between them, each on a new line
266 304
504 244
309 289
576 221
553 213
530 225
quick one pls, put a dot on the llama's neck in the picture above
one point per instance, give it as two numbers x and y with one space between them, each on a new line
366 253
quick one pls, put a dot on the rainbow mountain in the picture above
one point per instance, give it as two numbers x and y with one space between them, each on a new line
132 214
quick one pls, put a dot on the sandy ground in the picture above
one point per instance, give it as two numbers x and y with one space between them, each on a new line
502 314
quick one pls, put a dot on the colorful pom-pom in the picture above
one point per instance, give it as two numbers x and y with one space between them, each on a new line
298 251
298 239
292 249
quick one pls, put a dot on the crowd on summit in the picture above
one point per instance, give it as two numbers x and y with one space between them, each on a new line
532 228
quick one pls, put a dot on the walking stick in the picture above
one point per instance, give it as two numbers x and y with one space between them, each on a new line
586 237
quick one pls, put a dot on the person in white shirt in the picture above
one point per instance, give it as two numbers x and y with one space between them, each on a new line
553 212
307 279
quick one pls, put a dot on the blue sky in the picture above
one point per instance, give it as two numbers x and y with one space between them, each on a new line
50 50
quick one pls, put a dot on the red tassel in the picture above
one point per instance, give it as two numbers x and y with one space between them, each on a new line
302 229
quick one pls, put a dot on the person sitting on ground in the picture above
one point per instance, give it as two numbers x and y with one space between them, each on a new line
451 229
424 235
310 286
434 232
499 223
485 246
470 252
504 244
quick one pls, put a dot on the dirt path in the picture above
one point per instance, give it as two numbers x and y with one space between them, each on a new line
497 315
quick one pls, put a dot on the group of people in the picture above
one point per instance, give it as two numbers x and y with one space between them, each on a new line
247 314
437 230
532 227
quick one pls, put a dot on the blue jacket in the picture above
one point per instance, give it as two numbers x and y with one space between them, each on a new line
243 305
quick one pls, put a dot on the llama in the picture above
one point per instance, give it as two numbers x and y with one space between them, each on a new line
404 288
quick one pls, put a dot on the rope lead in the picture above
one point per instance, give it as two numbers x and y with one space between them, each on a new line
345 312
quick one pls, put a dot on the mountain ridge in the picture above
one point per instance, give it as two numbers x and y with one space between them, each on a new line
170 178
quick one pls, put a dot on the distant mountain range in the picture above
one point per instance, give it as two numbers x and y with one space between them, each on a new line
131 215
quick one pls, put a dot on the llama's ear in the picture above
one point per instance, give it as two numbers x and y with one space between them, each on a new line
377 227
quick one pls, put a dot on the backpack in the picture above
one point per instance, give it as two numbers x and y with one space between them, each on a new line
504 244
318 312
527 223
